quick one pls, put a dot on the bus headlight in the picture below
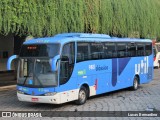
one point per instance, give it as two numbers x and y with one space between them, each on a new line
50 94
20 92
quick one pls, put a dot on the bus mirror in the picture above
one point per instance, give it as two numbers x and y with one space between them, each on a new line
54 63
64 58
10 61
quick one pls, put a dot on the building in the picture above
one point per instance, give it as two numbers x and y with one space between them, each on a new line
9 45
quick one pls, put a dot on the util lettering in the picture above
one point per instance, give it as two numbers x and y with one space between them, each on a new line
142 67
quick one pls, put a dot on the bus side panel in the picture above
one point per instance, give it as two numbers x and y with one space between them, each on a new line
146 72
127 68
125 72
142 66
150 68
69 90
109 74
123 78
95 73
103 83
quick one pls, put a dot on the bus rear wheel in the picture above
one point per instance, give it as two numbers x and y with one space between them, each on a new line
135 83
82 96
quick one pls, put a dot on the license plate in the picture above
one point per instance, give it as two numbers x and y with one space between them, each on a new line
35 99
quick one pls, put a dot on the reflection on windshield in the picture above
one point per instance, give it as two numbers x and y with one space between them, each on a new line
36 72
43 72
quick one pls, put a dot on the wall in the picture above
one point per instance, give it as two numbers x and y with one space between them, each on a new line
6 44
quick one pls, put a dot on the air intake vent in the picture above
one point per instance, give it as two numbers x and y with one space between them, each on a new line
83 35
94 36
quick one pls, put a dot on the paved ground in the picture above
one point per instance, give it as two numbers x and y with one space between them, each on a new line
146 98
7 78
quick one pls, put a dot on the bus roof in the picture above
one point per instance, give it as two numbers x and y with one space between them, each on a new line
85 37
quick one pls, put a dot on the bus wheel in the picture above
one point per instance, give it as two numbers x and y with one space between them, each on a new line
82 96
135 83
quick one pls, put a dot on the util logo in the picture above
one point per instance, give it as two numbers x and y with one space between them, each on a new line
142 67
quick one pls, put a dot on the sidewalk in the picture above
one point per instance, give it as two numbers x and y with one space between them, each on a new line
7 79
2 88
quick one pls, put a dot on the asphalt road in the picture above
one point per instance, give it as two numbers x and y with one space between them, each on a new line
146 98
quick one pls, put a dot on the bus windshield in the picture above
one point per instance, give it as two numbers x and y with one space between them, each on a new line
36 72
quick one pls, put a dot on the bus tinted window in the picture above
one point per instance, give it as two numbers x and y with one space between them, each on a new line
82 51
107 50
121 49
41 50
67 62
148 49
131 50
140 49
96 51
110 50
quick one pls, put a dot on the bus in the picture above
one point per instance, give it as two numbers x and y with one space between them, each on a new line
156 50
75 66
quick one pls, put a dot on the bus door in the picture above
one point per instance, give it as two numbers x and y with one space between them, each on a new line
67 80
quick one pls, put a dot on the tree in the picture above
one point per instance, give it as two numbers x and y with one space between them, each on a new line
123 18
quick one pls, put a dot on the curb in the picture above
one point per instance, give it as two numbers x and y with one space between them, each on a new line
6 87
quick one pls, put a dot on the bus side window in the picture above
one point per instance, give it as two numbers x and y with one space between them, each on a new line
80 57
110 50
96 51
148 49
121 50
82 51
140 49
131 50
67 62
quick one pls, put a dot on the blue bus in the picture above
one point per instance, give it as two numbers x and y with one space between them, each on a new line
75 66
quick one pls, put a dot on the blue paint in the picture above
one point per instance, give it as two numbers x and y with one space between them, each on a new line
37 91
122 63
114 72
10 61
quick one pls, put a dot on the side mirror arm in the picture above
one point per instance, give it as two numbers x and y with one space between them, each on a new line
10 61
54 63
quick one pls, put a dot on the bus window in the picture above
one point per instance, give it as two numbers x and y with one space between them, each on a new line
140 49
82 51
67 62
148 49
131 50
121 50
110 50
96 51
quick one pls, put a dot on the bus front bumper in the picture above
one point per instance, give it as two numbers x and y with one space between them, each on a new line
55 99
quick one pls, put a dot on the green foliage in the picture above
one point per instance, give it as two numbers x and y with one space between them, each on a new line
123 18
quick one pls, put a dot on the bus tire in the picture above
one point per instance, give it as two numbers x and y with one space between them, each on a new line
82 96
135 83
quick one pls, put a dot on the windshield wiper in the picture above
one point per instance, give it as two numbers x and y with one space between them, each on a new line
38 80
26 79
